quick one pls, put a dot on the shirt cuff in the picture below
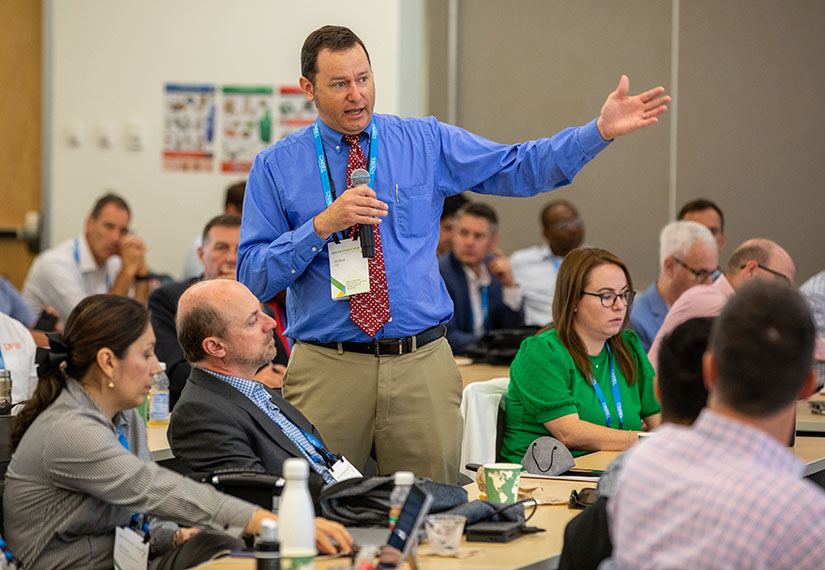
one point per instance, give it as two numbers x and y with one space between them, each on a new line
511 296
590 140
307 243
232 516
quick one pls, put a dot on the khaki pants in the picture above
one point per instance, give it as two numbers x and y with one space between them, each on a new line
407 405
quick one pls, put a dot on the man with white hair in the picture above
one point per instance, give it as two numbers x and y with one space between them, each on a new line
688 256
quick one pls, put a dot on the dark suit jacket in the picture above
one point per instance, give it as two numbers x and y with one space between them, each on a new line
163 303
214 427
460 327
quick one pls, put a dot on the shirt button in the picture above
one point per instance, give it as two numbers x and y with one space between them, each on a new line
338 148
389 320
314 249
293 271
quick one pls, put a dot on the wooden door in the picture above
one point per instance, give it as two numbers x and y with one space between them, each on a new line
20 125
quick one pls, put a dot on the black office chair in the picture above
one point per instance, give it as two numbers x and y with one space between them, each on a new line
5 458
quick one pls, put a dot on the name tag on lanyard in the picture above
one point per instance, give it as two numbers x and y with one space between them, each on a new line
131 552
348 269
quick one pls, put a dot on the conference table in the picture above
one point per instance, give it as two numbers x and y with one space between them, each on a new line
533 551
806 420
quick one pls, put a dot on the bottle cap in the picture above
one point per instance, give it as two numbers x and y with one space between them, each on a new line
269 531
404 478
295 468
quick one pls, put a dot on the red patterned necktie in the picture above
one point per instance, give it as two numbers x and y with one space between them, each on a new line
370 311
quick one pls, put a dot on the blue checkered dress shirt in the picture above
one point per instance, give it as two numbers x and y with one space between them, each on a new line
262 399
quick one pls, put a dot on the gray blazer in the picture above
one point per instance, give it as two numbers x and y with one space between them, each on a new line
214 426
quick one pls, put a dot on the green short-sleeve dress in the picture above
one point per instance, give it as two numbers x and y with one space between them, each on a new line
545 384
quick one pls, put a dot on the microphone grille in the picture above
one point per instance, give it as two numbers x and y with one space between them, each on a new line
359 177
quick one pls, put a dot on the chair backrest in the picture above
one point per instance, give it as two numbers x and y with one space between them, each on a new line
481 405
5 450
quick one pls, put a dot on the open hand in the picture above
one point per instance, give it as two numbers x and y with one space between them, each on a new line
622 114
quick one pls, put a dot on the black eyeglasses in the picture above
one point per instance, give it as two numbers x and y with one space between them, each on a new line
785 278
700 275
609 298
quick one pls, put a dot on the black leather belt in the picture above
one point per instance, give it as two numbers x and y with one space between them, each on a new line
387 346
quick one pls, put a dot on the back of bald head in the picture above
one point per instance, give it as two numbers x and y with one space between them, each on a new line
756 249
199 316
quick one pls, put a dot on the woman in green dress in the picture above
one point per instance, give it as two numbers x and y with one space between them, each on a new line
585 379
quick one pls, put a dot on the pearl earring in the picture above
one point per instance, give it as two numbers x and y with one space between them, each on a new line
111 383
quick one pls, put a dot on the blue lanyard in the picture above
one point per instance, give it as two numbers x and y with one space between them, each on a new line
135 520
617 397
317 445
484 304
322 159
77 262
2 362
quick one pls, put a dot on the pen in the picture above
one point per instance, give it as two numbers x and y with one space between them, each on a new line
396 193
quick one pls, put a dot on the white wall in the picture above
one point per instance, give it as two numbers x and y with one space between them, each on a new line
107 61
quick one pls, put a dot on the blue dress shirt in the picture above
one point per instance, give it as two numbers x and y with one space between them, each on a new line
648 314
13 305
419 163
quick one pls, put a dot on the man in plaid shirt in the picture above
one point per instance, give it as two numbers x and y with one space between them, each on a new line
727 492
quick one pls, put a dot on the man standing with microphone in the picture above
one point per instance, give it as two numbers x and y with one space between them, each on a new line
371 366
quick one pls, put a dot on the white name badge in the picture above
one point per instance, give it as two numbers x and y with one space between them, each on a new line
131 553
343 470
348 270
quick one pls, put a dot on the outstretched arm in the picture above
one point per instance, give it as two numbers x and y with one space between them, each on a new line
622 113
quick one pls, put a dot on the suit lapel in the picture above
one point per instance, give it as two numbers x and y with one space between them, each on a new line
233 396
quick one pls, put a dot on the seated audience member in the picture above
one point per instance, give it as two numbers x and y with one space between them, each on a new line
755 259
446 225
13 305
535 268
814 292
485 295
218 254
688 256
681 390
17 350
233 204
585 380
81 465
226 338
727 492
709 215
105 258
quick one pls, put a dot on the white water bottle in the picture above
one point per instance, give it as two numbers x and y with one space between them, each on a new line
296 518
159 398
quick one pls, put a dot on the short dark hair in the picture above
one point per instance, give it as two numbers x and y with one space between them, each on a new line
334 38
701 204
552 204
452 204
107 199
762 344
479 210
234 195
224 220
681 384
202 321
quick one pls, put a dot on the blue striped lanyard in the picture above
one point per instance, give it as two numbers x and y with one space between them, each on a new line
330 457
85 280
322 160
614 383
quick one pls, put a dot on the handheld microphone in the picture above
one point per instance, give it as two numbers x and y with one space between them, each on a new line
361 177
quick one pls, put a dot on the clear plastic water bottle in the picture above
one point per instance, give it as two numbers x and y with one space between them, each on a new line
159 398
403 483
296 518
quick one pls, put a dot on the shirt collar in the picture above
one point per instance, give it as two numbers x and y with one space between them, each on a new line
86 261
85 401
723 285
748 441
474 280
332 138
